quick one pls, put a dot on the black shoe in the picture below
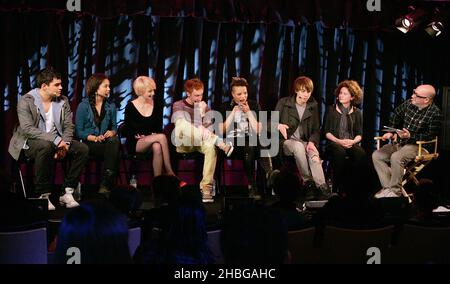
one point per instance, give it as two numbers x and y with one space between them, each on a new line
108 182
310 191
324 192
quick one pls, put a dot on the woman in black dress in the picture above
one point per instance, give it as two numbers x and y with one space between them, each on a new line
143 130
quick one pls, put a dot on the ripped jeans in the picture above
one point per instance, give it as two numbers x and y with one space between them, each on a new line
309 164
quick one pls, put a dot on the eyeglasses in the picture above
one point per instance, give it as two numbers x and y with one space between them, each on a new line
418 96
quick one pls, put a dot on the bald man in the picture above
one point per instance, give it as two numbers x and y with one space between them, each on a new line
417 119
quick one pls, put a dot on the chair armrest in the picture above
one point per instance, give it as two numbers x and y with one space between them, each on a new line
420 143
378 139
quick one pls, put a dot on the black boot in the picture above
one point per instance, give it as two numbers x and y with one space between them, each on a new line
324 192
108 181
310 191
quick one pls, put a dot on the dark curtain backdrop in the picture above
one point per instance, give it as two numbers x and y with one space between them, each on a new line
269 47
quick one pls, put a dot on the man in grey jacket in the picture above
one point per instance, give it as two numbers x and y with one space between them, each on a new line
300 136
45 133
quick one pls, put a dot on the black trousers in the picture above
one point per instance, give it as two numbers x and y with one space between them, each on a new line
249 154
42 152
345 162
108 151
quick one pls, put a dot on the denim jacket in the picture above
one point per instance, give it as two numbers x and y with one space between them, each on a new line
85 122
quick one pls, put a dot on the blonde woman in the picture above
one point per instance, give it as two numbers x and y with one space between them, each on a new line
143 128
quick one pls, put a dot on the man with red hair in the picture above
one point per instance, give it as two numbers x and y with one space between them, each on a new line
192 133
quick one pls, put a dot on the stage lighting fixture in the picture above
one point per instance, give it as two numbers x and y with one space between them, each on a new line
434 28
436 23
409 21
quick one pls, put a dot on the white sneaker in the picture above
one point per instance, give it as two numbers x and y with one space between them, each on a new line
67 199
387 192
230 149
227 148
380 193
441 209
207 194
50 207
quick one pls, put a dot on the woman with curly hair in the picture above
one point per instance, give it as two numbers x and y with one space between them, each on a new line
96 126
343 131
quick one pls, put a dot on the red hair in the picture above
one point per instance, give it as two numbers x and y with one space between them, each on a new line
193 84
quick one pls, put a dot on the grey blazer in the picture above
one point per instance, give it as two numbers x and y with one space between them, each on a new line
32 122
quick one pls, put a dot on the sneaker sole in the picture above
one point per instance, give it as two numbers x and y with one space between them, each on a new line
230 151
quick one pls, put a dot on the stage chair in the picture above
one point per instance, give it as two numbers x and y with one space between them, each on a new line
214 246
224 168
422 159
422 244
24 247
301 246
134 239
343 245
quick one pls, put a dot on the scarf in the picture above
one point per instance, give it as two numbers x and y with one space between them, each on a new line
344 133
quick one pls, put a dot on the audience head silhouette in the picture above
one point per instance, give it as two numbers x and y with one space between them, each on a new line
98 230
166 189
287 186
254 235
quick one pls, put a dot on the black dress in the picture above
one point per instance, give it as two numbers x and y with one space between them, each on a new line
135 123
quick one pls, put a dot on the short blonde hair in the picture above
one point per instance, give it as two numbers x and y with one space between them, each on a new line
142 83
303 82
354 89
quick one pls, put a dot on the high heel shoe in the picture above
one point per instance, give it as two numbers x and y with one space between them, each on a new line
182 182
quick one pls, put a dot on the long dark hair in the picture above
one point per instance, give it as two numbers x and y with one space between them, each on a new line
92 85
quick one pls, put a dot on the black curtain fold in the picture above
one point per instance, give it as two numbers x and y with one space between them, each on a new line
334 13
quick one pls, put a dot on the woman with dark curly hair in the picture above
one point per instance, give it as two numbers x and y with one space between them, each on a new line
343 130
96 126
